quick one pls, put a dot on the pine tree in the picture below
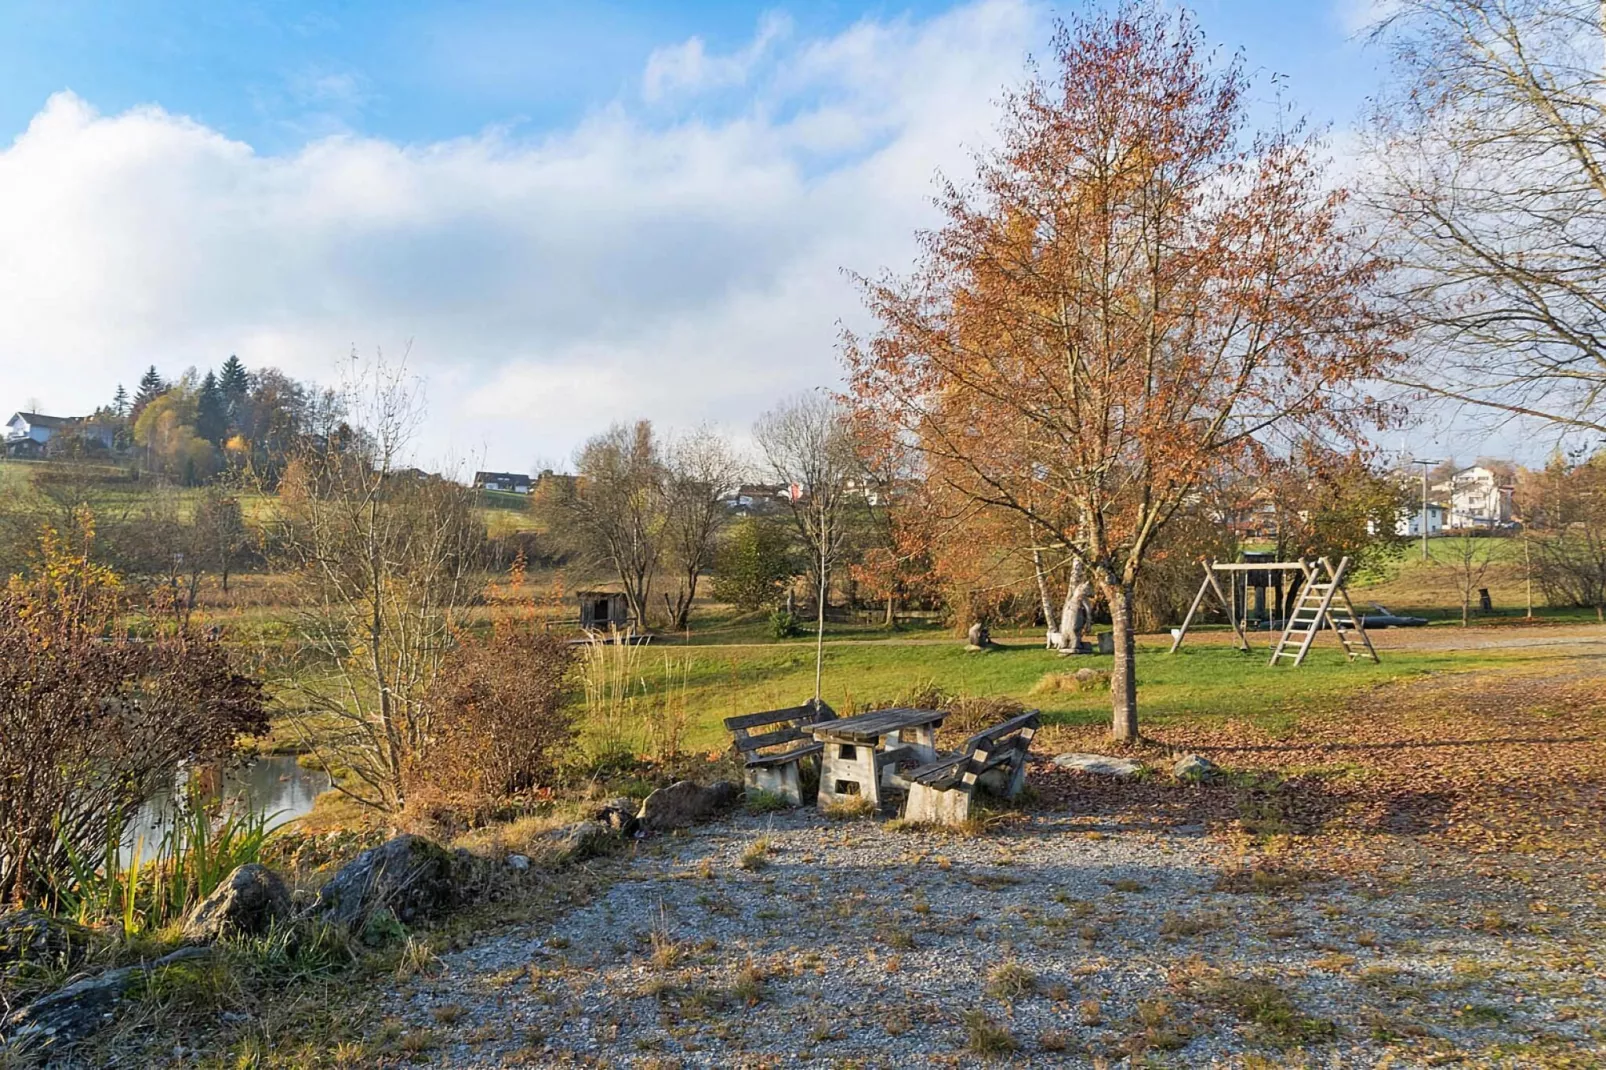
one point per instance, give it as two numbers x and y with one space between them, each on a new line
120 402
211 411
233 380
151 387
235 386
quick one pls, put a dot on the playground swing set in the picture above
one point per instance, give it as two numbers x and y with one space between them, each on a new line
1323 603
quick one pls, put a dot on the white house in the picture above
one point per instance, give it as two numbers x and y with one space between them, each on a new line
1410 522
38 428
1476 498
514 482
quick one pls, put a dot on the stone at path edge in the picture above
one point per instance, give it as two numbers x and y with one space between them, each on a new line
1102 764
1193 767
409 875
685 803
248 902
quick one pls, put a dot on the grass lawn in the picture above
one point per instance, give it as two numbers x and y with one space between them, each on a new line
1428 588
1208 682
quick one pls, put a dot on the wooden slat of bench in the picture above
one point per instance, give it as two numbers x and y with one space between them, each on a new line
768 717
770 739
934 769
785 756
947 772
1029 719
962 765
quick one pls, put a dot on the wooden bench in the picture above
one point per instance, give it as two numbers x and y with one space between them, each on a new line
773 744
995 759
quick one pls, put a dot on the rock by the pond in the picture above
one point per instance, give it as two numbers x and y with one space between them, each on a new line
1102 764
248 902
70 1014
1194 767
584 839
518 862
618 814
410 876
28 937
685 803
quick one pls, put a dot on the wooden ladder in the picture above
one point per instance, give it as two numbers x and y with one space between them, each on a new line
1316 607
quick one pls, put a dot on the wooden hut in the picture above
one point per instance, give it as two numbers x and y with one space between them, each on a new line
601 611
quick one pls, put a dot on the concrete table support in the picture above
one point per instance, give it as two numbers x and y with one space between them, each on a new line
861 753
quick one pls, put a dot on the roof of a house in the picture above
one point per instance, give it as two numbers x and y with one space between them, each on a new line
487 477
39 419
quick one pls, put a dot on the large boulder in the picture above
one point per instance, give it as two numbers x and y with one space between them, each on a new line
248 902
685 803
584 839
29 938
409 876
70 1014
1100 765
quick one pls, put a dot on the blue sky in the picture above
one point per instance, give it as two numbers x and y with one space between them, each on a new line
571 214
276 74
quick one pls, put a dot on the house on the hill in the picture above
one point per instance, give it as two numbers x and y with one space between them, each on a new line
32 432
1410 522
512 482
1476 498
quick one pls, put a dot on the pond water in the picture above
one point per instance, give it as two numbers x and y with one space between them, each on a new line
273 785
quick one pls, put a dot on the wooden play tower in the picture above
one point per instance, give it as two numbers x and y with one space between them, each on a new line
1323 603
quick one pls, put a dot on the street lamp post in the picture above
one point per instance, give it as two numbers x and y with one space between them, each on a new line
1425 465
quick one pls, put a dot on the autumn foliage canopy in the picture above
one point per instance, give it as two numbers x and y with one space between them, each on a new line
1137 290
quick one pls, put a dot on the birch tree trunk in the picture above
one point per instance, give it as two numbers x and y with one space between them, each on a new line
1053 642
1124 671
1073 614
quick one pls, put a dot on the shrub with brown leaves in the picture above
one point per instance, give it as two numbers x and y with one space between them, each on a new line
500 720
93 722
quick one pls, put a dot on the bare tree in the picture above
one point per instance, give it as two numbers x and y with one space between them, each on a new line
1467 560
1489 172
700 470
383 555
613 512
1564 531
808 446
220 534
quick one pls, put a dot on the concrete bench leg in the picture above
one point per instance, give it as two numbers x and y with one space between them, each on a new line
930 806
782 780
860 770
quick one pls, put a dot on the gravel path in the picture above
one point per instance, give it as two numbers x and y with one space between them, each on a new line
789 940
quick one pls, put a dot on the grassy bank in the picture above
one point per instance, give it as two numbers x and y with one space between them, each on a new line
1208 682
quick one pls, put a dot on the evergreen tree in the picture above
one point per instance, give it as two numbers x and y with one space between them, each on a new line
235 385
120 402
211 411
233 379
151 387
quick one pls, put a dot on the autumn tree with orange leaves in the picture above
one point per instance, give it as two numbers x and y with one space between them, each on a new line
1136 291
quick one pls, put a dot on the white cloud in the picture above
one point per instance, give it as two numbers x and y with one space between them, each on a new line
682 271
689 68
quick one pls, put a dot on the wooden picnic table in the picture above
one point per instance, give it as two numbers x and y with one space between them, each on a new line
863 751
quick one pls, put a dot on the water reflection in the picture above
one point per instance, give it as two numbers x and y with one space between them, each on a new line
273 785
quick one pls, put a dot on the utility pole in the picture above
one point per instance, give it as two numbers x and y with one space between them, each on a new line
1425 466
